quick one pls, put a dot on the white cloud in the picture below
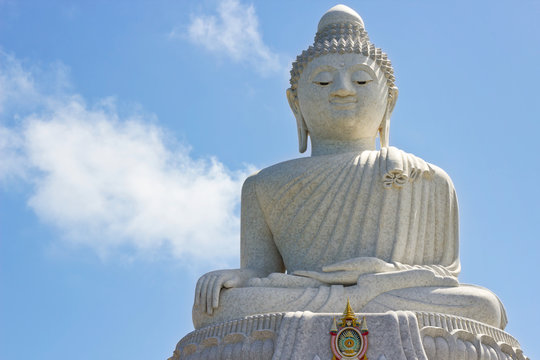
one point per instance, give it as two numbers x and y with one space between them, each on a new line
22 86
12 163
234 32
16 84
114 183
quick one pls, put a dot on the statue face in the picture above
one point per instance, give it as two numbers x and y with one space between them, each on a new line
342 97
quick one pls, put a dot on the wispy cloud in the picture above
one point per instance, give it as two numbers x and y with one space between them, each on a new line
113 182
234 32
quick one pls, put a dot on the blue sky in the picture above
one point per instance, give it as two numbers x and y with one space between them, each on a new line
127 128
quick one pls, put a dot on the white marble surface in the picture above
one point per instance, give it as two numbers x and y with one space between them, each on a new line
377 226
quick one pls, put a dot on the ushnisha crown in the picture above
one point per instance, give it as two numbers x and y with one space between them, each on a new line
341 30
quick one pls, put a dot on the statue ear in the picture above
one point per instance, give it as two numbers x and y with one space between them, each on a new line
300 123
384 129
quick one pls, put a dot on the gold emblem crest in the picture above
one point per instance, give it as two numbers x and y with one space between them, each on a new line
348 337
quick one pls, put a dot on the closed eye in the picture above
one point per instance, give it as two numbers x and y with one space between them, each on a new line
324 78
363 82
361 78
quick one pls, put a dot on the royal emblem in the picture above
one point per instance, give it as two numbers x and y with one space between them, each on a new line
349 336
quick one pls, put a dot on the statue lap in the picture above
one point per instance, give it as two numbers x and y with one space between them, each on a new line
467 301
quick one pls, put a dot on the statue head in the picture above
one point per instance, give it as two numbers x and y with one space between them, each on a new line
342 87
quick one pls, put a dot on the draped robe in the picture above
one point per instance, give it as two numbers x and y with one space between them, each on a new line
386 204
321 210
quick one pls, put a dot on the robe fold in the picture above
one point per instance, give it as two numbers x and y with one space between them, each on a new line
385 204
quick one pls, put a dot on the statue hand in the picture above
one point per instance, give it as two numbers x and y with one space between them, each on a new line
283 281
210 284
363 265
384 282
368 271
335 277
347 272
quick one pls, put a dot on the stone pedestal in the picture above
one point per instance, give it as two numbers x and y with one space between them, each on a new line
394 335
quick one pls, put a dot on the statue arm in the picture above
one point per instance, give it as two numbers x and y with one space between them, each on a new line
257 248
259 255
442 255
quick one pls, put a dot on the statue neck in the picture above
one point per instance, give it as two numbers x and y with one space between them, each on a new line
330 146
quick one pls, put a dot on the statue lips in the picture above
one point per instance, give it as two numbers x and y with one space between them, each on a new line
343 102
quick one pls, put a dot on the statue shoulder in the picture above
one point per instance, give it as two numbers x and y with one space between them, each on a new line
281 171
398 162
271 179
440 175
435 173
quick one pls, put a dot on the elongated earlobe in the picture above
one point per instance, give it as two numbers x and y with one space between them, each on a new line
300 123
384 129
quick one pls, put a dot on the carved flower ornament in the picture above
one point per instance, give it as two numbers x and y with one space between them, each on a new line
395 178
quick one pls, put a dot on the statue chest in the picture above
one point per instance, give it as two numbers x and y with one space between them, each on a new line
321 218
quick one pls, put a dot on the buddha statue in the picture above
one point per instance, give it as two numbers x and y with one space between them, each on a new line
379 227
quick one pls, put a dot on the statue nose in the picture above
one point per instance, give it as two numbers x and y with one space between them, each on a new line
343 87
